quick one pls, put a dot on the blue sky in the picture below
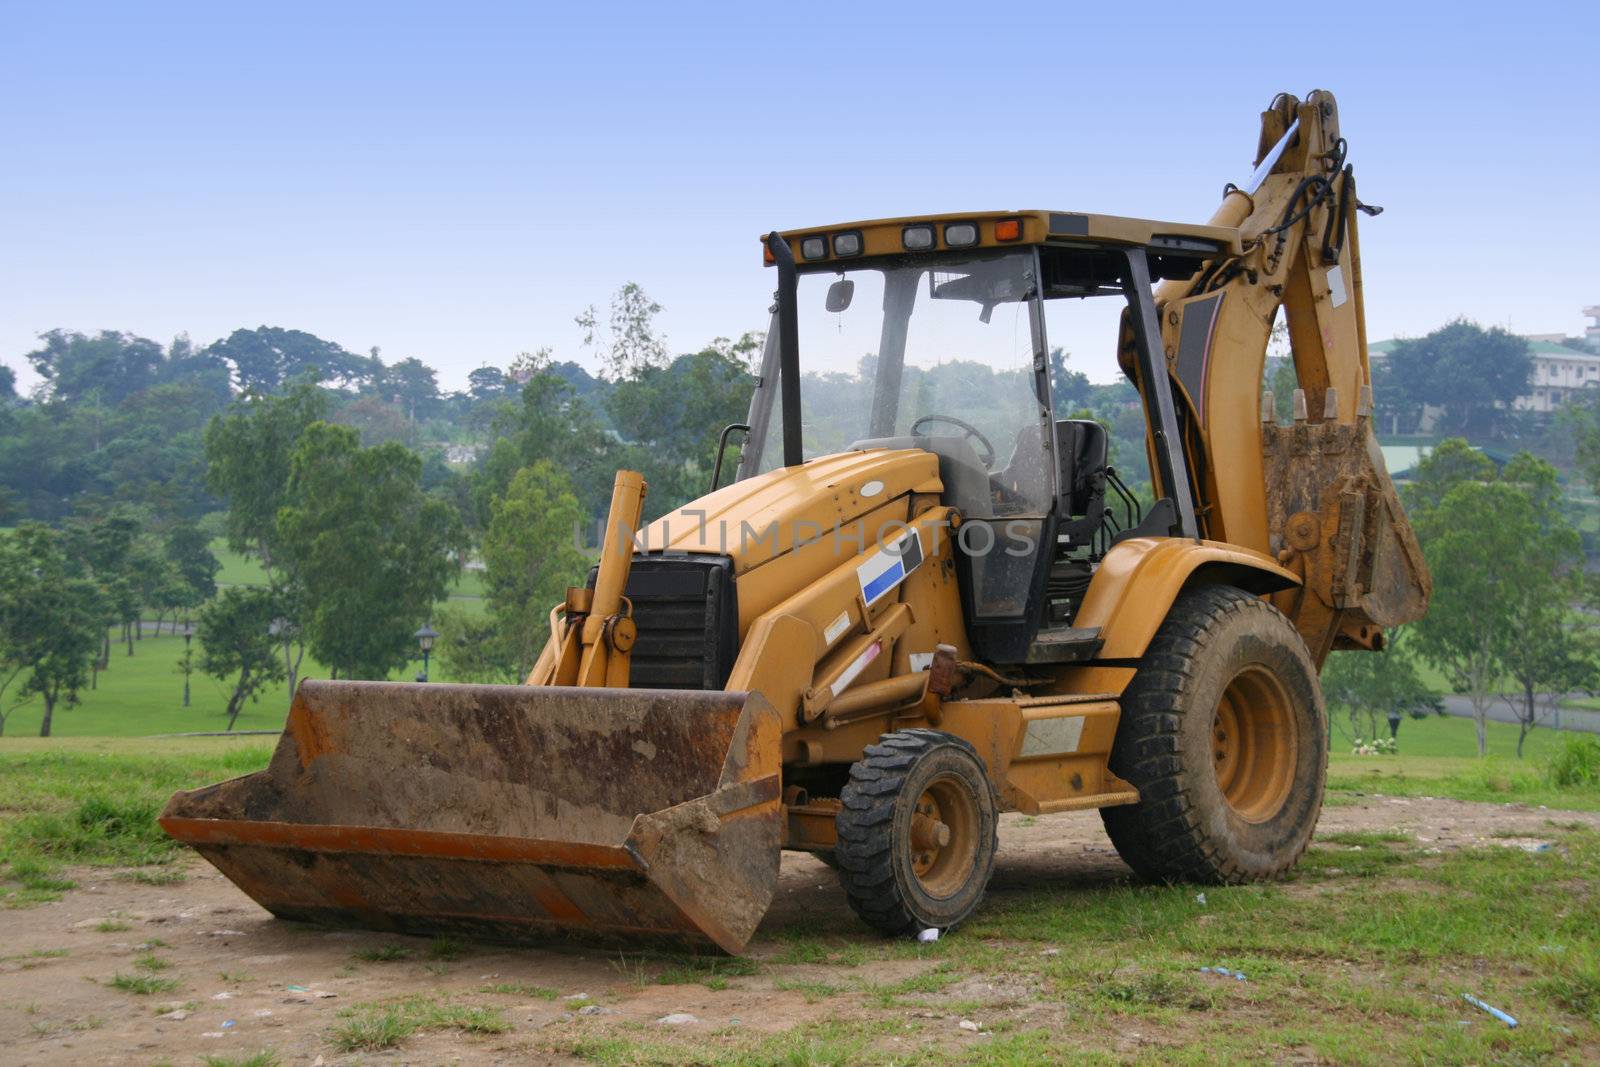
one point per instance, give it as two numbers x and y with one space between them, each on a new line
456 181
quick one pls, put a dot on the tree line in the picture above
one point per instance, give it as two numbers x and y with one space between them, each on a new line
362 490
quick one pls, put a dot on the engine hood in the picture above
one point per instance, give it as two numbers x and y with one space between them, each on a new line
760 518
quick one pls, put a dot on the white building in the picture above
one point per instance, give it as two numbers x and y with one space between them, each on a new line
1559 372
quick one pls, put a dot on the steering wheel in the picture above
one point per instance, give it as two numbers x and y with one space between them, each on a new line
986 451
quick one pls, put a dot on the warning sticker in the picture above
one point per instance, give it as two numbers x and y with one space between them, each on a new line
889 566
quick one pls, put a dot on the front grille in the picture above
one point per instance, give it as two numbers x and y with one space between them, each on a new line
688 619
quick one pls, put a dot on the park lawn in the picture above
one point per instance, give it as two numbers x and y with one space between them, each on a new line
1438 757
240 569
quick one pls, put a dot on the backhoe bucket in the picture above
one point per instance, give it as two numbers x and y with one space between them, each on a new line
509 812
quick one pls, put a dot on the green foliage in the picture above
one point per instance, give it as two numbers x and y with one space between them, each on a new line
143 984
530 557
268 358
1505 566
475 648
1576 763
372 1027
1367 685
50 623
248 457
188 549
371 550
1472 373
237 644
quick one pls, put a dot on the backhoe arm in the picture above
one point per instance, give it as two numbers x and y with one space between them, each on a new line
1315 494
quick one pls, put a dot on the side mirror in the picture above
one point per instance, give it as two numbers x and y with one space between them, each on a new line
840 293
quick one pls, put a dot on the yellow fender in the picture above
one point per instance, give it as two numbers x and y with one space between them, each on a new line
1139 579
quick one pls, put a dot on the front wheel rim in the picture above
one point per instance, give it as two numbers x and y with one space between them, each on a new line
942 836
1254 740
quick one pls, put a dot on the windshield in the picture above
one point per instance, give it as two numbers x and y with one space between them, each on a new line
937 354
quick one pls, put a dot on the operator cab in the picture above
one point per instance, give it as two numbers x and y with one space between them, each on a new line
930 334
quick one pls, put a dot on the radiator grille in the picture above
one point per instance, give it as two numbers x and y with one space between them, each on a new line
688 618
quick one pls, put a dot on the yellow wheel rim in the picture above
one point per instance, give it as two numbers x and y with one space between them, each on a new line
1254 739
943 836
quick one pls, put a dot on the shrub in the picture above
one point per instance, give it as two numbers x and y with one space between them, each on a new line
1576 763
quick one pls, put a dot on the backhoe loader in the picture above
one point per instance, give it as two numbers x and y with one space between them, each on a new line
924 598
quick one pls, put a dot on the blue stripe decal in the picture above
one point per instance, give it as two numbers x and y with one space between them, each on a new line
884 582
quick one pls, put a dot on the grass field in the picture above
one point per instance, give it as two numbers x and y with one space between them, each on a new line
142 694
1361 956
244 570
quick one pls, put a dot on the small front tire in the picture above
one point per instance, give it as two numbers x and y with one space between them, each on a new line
917 832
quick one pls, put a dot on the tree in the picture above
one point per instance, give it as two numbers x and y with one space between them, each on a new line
237 646
102 548
1451 463
269 358
1472 373
111 366
1546 650
551 423
1368 686
412 385
474 648
530 557
487 384
189 549
249 455
371 550
1474 542
50 621
673 414
628 341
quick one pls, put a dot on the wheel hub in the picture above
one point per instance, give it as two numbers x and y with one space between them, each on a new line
1254 742
943 835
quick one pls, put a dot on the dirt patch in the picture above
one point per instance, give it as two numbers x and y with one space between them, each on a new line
221 977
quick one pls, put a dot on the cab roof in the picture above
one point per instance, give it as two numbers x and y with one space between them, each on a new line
995 229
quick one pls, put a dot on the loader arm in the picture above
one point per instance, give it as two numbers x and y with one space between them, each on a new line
1316 494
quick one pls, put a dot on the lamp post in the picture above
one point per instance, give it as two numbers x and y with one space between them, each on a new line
425 638
188 664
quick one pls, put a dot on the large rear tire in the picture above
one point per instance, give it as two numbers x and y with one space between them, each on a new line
917 832
1223 733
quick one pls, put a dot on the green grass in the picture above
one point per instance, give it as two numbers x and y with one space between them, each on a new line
466 590
383 954
373 1027
1438 757
1331 960
82 801
262 1058
521 989
143 984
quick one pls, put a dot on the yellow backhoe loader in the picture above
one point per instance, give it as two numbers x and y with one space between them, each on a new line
925 598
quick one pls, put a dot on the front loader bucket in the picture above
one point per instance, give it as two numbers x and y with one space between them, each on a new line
508 812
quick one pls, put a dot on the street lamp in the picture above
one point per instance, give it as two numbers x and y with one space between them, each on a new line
425 637
188 667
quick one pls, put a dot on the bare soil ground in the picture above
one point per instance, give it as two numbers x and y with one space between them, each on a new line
245 981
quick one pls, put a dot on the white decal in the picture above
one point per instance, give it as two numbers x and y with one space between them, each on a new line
872 488
1052 737
836 629
1336 293
921 661
852 672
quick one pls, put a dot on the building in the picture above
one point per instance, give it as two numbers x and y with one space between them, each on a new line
1559 372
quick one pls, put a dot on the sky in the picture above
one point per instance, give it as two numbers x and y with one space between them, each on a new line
456 181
